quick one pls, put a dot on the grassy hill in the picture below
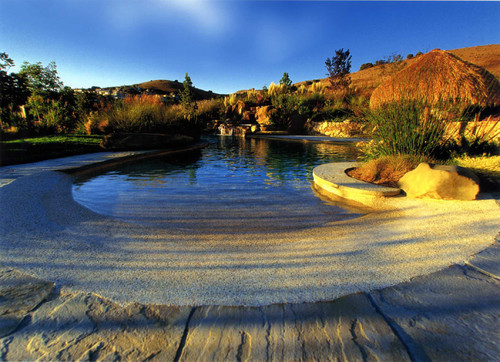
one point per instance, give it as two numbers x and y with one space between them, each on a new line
486 56
167 86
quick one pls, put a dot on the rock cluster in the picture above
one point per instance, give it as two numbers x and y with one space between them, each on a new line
340 129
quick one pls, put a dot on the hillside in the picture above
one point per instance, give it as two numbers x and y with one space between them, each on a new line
486 56
167 86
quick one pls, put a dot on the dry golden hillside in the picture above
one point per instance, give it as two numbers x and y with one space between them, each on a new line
486 56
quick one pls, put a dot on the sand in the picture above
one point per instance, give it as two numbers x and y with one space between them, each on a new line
44 232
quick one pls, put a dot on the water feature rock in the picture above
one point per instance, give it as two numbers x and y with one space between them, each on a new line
440 182
239 107
263 115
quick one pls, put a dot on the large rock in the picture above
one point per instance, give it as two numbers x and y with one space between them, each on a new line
440 182
263 115
239 107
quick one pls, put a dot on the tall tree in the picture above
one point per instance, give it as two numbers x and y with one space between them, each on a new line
286 81
187 99
338 68
42 80
13 91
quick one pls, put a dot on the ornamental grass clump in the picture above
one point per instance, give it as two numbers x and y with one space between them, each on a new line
408 127
143 113
275 89
230 100
318 87
386 170
136 114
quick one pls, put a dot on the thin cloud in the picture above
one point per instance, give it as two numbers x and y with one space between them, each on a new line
208 16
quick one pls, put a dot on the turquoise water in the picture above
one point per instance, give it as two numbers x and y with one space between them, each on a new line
233 185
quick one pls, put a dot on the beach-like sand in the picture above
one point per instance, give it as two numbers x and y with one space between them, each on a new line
44 232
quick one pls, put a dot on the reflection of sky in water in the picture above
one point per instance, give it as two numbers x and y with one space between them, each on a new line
230 173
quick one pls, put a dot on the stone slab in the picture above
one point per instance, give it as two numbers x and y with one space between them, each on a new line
450 315
19 294
488 260
83 326
345 329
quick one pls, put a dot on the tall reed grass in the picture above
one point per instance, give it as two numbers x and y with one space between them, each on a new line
408 127
144 113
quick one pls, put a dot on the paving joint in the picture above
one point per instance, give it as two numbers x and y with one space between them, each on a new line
413 350
482 271
182 343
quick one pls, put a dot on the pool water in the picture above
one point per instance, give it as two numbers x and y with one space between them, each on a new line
234 185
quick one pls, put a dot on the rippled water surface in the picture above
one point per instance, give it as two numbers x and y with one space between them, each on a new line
233 185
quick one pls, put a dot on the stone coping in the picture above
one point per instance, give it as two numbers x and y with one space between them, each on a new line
314 139
332 177
87 162
146 155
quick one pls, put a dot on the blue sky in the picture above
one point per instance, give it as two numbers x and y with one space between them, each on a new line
228 45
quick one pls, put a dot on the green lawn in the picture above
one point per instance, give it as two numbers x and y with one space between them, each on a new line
41 148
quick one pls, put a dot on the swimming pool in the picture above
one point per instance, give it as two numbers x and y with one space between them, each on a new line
234 185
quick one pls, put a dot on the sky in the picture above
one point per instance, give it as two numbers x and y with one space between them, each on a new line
229 45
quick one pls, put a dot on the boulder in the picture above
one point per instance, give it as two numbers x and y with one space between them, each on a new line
263 115
240 107
440 182
248 116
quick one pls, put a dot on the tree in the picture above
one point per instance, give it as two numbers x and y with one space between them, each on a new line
42 80
13 91
339 68
287 82
5 61
187 100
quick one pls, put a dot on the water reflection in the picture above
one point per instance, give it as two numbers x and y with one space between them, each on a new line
234 180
